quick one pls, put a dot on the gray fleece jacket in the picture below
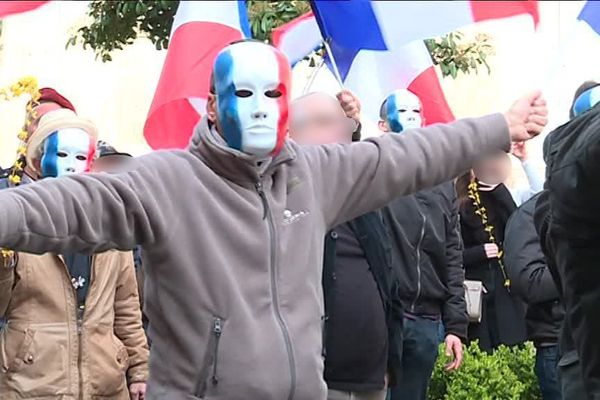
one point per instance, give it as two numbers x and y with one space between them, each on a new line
233 247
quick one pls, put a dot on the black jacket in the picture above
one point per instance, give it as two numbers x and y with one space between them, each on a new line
503 318
572 231
530 276
427 246
374 240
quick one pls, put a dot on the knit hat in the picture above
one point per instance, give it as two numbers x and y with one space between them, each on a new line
52 122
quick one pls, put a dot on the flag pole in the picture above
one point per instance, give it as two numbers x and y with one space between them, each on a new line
336 71
313 75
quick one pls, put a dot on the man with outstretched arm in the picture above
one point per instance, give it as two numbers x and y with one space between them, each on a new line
232 289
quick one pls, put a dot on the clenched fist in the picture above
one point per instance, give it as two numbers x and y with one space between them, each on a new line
527 117
350 104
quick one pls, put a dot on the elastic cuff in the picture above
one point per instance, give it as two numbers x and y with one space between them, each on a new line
138 377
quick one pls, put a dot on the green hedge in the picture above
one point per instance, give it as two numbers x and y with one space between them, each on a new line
506 374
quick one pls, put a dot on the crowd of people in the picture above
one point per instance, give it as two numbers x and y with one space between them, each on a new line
282 257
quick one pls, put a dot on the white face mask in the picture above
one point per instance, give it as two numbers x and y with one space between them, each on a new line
252 83
403 111
67 151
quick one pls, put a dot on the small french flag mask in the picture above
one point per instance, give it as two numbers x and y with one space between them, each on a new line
586 101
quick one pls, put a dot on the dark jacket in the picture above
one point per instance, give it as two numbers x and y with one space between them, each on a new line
428 255
530 276
572 231
372 235
503 318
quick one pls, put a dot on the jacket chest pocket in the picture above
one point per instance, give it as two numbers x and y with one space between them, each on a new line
209 373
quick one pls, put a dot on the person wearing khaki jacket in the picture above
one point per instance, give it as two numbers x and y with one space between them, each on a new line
50 348
232 228
73 322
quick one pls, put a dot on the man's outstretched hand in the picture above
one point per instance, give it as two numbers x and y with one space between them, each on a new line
527 117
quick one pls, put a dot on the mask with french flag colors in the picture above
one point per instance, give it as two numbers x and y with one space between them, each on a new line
586 101
252 86
67 151
403 111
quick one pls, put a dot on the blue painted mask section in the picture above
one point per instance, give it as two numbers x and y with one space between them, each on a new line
586 100
227 108
49 165
393 116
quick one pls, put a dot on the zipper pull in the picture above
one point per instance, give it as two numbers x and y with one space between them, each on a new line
217 331
217 327
259 189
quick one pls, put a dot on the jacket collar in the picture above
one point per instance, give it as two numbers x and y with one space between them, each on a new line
232 164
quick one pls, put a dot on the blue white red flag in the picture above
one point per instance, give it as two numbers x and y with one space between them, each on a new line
378 45
200 30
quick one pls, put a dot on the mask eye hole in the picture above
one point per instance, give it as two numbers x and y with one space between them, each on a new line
417 111
61 154
81 158
243 93
273 94
402 110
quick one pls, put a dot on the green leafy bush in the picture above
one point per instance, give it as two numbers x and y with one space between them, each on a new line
506 374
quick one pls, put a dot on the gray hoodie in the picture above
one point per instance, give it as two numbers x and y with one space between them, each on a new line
233 247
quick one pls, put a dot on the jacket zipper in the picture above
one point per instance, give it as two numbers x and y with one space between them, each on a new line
210 365
424 218
217 331
79 314
274 292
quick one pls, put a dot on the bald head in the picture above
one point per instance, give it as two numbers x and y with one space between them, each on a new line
318 118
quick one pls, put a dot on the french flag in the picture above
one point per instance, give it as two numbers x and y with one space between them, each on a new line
590 14
200 30
378 45
17 7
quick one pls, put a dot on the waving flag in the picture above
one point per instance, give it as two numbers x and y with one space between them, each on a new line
410 67
378 45
386 25
298 38
590 14
200 30
17 7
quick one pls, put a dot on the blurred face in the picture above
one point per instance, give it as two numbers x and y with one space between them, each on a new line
403 111
319 119
111 164
252 82
493 170
67 151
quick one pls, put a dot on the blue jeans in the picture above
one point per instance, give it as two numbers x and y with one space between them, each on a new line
570 376
421 343
546 369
